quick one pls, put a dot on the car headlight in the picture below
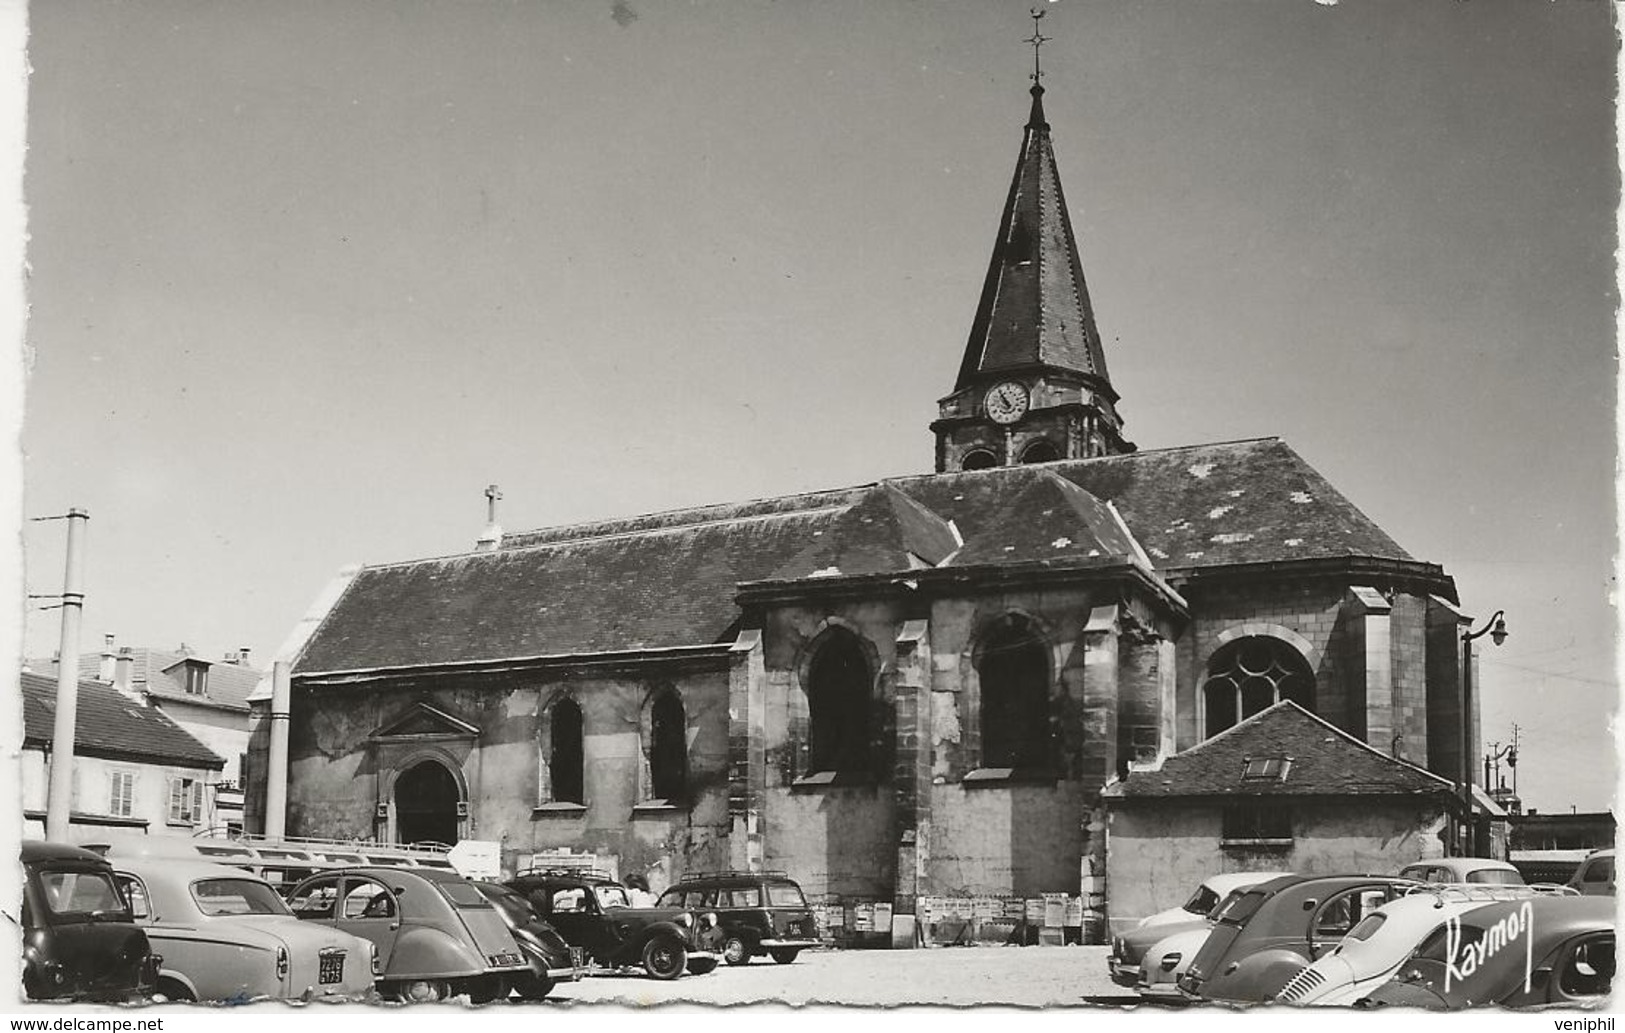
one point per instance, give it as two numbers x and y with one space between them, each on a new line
1170 961
708 920
685 919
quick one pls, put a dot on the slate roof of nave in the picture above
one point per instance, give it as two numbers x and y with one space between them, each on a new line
670 579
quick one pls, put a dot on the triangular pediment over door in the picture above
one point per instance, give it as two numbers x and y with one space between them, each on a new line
422 721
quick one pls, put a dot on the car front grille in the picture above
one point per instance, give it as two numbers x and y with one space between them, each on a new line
1301 984
577 957
330 966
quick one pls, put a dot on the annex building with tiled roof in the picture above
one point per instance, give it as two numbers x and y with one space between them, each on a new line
134 768
914 687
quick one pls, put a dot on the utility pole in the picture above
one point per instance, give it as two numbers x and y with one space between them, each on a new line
59 800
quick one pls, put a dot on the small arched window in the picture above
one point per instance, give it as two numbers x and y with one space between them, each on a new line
668 747
1040 451
838 684
1013 673
566 757
978 459
1250 674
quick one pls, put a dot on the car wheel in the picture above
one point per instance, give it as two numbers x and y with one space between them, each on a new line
417 991
533 987
784 957
701 966
664 957
171 991
736 951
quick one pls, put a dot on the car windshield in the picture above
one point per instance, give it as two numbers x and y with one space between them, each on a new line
1495 877
785 894
1201 901
81 893
1216 909
237 897
670 898
610 895
461 893
1367 925
1238 909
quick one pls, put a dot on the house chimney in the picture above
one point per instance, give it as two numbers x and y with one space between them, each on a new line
242 656
104 673
491 539
124 673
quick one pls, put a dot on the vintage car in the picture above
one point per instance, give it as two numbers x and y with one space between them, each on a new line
1463 870
1129 948
1543 951
760 912
437 936
550 958
1167 959
1205 898
1264 937
1373 950
592 911
1595 876
225 935
80 941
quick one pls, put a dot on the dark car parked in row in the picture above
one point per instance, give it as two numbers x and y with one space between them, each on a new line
1266 936
436 935
592 911
551 959
760 912
80 940
1516 954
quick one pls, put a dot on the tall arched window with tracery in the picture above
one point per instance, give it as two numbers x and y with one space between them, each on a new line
1250 674
838 704
1013 672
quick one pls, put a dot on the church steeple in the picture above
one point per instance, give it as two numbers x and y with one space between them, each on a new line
1033 384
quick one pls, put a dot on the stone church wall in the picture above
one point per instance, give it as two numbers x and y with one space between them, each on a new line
338 778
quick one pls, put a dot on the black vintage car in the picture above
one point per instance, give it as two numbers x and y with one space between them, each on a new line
80 940
760 912
592 911
551 959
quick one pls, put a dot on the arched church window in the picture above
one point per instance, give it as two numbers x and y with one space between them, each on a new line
668 747
1250 674
1013 672
838 689
566 757
978 459
1040 452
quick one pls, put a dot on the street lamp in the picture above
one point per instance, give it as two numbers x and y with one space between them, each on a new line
1496 628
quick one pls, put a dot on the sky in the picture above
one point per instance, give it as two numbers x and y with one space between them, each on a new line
305 277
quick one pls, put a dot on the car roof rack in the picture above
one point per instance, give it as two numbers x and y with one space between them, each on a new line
1490 892
731 873
589 874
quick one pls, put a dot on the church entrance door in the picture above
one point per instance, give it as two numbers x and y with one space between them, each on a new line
426 799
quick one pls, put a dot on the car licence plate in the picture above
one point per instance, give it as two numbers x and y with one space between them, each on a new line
330 967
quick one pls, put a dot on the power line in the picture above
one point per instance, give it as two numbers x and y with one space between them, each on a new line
1552 674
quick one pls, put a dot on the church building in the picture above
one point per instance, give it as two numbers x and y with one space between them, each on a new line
911 688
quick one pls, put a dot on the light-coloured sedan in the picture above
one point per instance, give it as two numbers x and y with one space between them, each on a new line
225 935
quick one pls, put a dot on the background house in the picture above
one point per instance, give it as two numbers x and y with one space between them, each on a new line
208 698
134 768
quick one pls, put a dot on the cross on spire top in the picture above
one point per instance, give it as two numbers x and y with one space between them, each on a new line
1037 39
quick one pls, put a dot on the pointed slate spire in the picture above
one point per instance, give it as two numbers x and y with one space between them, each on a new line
1035 310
